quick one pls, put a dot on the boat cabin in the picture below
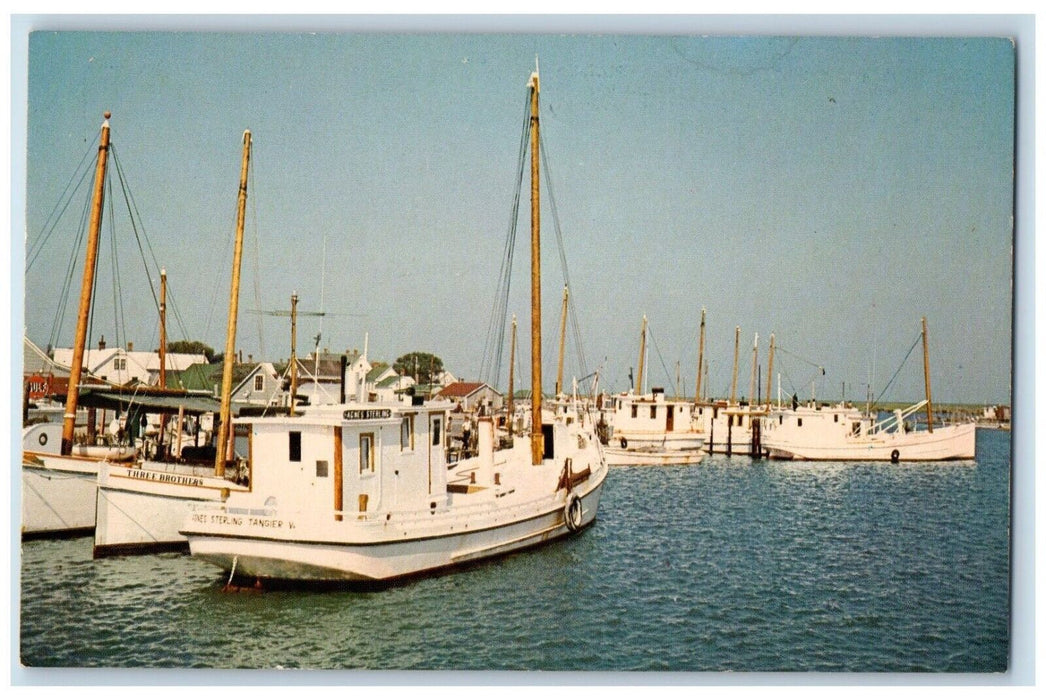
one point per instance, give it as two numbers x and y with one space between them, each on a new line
352 458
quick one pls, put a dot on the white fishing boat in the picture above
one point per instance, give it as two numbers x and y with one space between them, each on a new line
59 471
843 433
650 429
361 492
732 427
140 507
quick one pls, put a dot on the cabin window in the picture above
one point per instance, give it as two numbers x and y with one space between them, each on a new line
321 468
407 433
366 452
294 451
435 432
259 383
856 429
635 410
800 422
836 417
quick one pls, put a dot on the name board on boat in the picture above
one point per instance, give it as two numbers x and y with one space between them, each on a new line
367 413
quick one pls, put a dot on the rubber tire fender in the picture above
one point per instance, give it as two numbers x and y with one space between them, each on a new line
895 456
573 512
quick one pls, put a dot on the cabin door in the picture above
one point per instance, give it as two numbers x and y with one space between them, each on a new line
670 421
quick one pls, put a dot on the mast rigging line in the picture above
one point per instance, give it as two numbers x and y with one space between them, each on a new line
657 349
574 324
490 369
899 368
74 257
494 346
51 222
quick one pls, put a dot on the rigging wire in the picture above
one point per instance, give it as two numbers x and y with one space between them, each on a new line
903 362
74 256
494 346
51 223
657 349
572 308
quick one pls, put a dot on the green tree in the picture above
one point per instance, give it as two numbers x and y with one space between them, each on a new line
194 347
423 366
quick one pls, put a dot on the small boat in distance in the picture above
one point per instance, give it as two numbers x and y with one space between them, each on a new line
362 492
843 433
651 429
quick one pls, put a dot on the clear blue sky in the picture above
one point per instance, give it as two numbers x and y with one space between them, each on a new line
829 190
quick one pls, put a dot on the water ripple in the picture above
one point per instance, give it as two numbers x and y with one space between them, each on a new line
730 565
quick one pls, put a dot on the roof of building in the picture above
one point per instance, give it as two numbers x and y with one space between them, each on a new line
464 389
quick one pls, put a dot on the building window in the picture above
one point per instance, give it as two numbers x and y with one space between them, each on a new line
120 364
407 433
294 452
435 432
321 468
259 382
366 452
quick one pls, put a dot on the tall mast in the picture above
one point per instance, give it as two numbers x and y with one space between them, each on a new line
90 263
755 360
733 382
512 378
700 356
770 373
163 329
562 340
294 347
234 301
926 373
537 443
642 357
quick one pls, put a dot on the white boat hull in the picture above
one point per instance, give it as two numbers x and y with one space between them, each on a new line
58 495
58 492
141 508
617 457
274 548
954 442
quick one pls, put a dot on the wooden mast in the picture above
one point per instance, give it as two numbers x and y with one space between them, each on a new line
90 263
294 354
562 341
163 329
769 373
700 356
926 374
512 380
224 433
537 443
733 382
642 357
755 370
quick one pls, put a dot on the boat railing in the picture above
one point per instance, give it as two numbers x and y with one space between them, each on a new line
895 422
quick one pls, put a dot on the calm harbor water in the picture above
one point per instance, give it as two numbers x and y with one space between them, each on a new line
730 565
